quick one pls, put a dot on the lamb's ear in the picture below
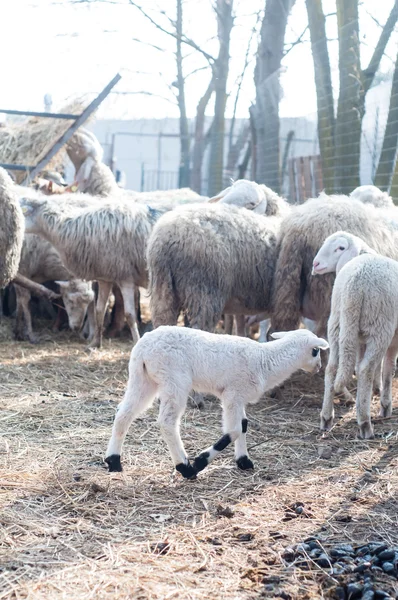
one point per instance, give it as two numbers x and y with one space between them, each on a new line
62 284
220 195
279 334
322 344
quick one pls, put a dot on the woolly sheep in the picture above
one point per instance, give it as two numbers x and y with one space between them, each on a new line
104 241
370 194
364 316
41 262
11 229
252 196
169 361
209 259
296 293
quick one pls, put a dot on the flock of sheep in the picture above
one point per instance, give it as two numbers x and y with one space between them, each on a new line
245 255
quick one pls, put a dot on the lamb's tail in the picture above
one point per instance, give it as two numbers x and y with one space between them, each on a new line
348 339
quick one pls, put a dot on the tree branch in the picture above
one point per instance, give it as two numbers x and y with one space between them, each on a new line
184 39
374 63
144 93
298 41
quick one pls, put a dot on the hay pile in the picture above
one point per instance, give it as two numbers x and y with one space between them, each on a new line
26 142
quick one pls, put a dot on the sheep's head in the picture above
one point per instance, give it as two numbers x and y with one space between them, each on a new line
244 194
338 249
370 194
77 295
310 347
30 208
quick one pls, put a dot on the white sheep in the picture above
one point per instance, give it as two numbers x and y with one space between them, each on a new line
363 324
103 241
169 361
41 262
370 194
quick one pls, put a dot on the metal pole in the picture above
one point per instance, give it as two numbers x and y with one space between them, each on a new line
69 132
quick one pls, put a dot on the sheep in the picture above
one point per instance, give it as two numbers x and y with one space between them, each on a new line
370 194
209 259
295 292
11 229
258 198
103 241
41 262
364 316
169 361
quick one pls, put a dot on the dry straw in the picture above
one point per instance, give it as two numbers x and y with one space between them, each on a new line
26 142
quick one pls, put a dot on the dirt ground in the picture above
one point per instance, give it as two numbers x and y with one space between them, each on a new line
69 529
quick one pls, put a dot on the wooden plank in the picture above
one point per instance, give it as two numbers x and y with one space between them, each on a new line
318 175
307 177
30 113
292 182
71 130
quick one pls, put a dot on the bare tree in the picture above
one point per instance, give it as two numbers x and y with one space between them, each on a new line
225 21
388 154
344 130
265 113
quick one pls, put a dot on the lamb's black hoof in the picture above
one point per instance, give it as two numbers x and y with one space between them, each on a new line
201 461
186 470
114 463
244 463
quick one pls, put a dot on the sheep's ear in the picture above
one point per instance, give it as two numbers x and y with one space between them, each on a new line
62 284
279 334
26 207
220 195
322 344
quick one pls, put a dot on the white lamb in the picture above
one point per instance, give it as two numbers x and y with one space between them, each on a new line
363 324
169 361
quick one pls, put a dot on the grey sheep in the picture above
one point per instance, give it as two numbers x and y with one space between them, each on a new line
11 229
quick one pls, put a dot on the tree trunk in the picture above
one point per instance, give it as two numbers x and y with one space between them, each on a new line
183 179
221 67
199 143
388 154
324 90
268 92
350 103
235 151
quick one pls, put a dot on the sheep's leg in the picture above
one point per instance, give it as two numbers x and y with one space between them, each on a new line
364 397
139 396
327 412
24 328
388 375
228 324
104 289
378 379
240 321
264 327
128 289
171 410
234 422
241 454
118 313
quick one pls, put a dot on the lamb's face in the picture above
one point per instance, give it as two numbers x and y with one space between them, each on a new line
77 295
309 345
329 255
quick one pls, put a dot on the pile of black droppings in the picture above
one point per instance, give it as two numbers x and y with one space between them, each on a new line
357 569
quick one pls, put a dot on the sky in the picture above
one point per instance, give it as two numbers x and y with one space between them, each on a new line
70 49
